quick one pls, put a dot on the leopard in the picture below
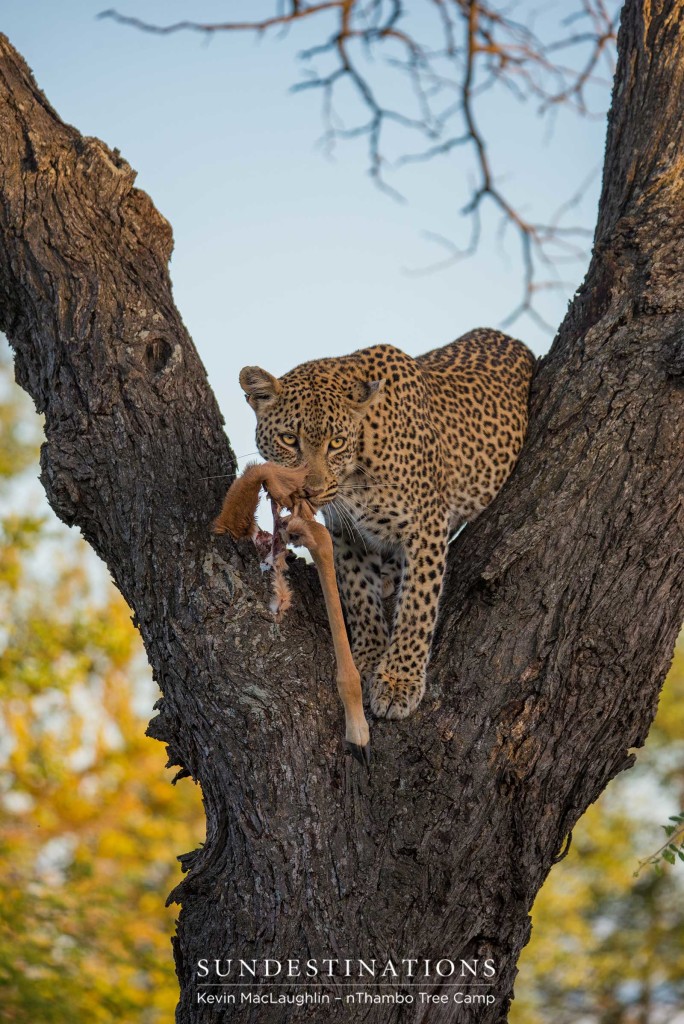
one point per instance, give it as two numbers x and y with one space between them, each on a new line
401 452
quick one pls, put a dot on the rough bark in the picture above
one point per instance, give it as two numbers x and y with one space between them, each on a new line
561 607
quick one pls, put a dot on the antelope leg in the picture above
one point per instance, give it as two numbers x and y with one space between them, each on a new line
319 542
240 503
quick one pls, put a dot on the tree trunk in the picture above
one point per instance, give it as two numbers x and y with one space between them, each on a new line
560 612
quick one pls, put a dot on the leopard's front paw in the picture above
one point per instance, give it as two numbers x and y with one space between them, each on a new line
367 665
391 697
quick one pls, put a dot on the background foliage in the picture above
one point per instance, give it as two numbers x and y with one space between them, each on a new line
91 828
608 944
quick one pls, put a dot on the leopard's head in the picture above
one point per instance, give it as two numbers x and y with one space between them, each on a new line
311 417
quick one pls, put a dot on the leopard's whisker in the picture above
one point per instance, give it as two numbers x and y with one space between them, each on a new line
364 470
353 518
358 503
345 519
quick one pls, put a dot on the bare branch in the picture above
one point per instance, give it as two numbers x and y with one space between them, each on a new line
296 13
469 47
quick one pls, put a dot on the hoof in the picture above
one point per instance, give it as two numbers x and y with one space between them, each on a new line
359 753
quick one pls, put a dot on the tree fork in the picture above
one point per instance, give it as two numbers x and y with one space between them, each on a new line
561 606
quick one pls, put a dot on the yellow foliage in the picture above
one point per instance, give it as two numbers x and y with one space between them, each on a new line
89 826
607 945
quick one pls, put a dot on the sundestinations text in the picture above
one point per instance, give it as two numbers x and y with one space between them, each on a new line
331 968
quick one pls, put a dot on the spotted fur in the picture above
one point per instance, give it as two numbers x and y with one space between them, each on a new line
401 452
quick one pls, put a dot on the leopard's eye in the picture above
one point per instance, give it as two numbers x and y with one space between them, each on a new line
337 443
288 439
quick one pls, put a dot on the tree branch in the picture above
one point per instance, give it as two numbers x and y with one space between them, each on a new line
472 46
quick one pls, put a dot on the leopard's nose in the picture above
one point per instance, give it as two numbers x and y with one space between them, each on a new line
311 492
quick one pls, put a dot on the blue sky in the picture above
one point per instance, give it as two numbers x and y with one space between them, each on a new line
281 254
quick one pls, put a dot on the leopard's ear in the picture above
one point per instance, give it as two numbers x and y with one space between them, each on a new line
363 394
259 386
